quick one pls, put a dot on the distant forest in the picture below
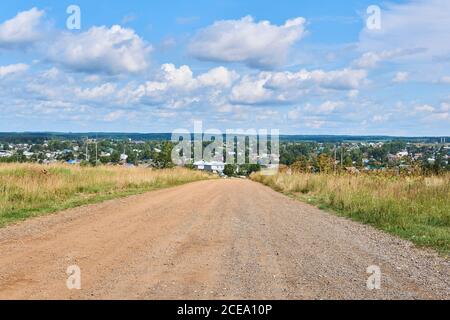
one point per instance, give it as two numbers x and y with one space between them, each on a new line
39 137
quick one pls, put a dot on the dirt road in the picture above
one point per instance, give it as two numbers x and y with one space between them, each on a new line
221 239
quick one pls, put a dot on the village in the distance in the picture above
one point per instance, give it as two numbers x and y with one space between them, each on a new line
302 153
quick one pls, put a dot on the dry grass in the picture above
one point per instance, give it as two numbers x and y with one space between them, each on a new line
415 208
30 189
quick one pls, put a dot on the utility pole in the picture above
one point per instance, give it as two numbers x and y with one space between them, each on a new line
96 148
87 155
335 158
342 156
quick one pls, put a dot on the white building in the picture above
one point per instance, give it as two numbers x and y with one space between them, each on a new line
28 154
213 166
402 154
5 154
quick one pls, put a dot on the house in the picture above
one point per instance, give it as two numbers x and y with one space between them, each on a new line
214 166
402 154
199 165
5 154
28 154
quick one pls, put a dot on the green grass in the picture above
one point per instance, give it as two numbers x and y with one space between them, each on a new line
414 208
30 190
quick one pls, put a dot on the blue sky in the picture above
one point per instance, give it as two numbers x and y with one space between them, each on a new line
303 67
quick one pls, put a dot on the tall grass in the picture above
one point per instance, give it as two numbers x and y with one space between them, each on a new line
415 208
28 190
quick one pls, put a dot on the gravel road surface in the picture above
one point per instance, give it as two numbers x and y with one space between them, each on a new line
219 239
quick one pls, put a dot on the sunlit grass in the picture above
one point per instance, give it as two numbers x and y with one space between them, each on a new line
415 208
28 190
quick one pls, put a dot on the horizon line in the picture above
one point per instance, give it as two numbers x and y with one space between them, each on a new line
169 133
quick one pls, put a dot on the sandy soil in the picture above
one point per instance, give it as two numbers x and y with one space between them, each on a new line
221 239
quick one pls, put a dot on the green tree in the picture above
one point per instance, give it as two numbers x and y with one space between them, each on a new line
230 170
325 163
301 165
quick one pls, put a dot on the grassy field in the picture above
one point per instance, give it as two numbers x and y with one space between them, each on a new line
414 208
29 190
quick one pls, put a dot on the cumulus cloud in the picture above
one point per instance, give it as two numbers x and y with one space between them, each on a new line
12 69
179 87
287 87
220 77
252 90
24 29
256 44
100 49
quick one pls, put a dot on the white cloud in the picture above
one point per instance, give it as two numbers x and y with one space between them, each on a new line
424 108
287 87
178 86
257 44
220 76
252 90
371 59
24 29
182 79
400 77
344 79
96 93
421 25
327 107
12 69
112 50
